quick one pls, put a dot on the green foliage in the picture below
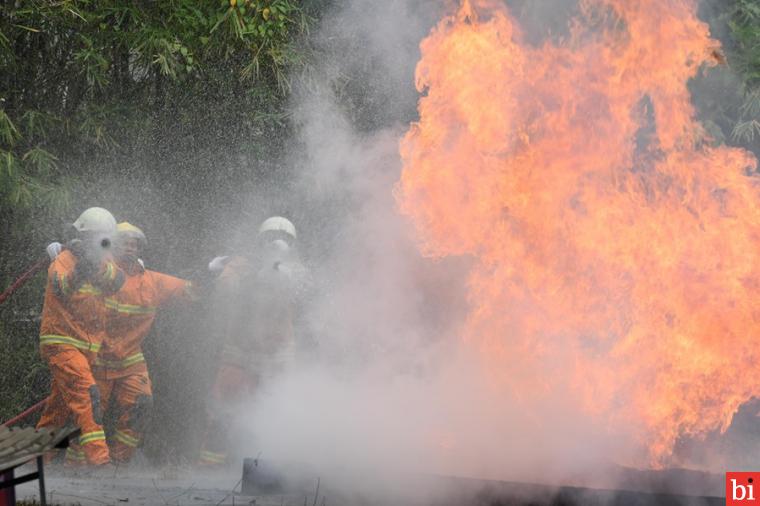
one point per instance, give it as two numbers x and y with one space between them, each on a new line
748 126
743 20
75 72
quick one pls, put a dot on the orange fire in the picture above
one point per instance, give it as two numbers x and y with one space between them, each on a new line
615 247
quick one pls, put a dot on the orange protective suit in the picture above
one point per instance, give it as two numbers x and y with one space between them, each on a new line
257 324
231 380
120 369
71 334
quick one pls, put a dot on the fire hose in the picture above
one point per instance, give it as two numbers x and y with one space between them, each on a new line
21 280
41 264
25 413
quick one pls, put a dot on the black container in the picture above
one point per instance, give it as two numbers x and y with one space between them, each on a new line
263 477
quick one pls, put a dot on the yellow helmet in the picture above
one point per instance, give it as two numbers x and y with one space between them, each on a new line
126 230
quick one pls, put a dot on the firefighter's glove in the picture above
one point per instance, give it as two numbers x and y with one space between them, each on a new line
218 263
54 249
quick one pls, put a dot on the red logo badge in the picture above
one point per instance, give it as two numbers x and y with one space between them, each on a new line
741 489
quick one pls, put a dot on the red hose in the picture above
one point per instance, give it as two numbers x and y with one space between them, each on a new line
20 281
25 413
26 276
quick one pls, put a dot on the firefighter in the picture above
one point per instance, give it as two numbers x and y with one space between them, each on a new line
73 328
257 299
120 368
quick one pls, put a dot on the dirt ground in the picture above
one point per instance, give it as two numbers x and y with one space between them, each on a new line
145 487
141 485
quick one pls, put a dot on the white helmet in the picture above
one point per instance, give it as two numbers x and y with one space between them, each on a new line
278 224
96 219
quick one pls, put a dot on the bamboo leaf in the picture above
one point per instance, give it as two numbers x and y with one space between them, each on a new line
28 28
9 134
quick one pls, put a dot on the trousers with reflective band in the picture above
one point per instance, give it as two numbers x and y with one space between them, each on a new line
74 456
48 339
126 439
121 364
212 458
90 437
232 384
70 400
125 392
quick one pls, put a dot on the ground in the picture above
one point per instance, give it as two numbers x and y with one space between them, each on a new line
141 485
146 487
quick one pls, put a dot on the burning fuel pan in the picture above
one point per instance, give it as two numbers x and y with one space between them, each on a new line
634 488
262 477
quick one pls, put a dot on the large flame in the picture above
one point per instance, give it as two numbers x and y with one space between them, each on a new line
616 249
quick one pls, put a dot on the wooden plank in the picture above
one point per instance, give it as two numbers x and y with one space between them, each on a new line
21 438
35 439
14 437
22 445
